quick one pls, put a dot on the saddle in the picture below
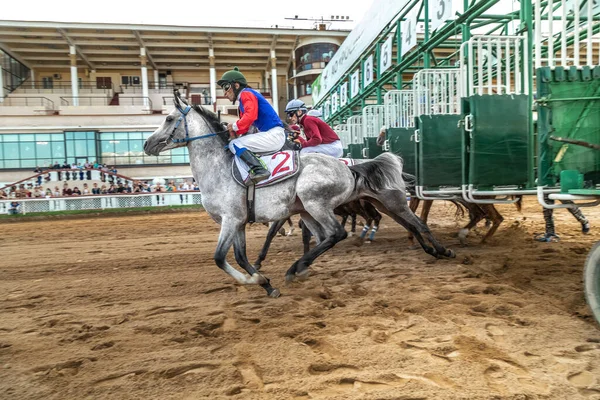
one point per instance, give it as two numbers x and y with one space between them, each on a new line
282 165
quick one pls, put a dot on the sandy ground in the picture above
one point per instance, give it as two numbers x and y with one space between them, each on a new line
134 308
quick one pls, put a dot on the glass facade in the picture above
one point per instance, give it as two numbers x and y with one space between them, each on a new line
314 56
28 150
13 72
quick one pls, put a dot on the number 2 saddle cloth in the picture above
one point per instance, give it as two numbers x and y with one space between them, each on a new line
282 165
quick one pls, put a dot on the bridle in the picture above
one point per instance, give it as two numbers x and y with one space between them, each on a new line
183 117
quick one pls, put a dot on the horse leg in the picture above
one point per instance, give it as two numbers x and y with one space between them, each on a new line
275 227
353 227
239 250
476 214
496 218
368 207
413 204
305 237
333 232
226 238
395 202
291 224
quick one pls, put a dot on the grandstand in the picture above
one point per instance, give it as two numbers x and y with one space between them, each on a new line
71 92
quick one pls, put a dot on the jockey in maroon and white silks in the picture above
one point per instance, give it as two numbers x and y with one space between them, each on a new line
320 138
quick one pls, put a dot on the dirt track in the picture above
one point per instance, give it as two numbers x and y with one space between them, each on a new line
134 308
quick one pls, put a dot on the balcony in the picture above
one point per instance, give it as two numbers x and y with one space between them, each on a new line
118 104
27 105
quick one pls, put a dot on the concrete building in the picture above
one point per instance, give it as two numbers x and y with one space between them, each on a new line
82 91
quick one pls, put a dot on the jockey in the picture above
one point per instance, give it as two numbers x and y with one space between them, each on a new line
320 138
259 129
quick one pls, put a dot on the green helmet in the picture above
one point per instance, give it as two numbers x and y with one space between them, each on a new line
232 76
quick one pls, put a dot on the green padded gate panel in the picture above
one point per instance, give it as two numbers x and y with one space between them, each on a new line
355 150
401 144
345 152
440 150
576 116
499 143
372 149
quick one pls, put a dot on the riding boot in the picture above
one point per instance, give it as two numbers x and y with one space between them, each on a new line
258 170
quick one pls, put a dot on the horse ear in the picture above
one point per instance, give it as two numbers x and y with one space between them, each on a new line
176 97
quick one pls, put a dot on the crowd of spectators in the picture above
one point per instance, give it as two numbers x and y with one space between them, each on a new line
23 191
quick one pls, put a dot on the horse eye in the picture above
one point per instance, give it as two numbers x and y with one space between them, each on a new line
169 118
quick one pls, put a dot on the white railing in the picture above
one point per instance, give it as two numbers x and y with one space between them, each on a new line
343 132
494 65
553 33
373 119
101 202
437 91
399 109
355 128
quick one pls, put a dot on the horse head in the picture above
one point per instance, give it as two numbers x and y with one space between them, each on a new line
172 132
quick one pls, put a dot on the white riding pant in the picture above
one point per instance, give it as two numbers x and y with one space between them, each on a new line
260 142
334 149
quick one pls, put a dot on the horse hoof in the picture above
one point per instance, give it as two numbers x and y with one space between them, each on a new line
303 275
450 253
275 293
290 278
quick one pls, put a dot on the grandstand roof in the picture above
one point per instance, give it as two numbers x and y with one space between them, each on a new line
45 45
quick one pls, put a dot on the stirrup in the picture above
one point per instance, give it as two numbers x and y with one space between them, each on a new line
259 177
547 237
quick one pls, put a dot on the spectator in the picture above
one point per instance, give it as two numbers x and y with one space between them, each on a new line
87 165
85 190
67 190
38 192
95 189
159 189
56 165
207 99
95 165
56 192
14 208
48 192
112 189
103 190
66 165
76 191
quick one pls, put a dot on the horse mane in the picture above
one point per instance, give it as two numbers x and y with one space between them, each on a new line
210 117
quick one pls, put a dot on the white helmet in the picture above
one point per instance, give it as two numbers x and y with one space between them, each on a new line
295 105
315 113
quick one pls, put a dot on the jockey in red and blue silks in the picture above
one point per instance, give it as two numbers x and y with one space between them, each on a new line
259 129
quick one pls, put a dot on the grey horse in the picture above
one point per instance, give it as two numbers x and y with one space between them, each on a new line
321 184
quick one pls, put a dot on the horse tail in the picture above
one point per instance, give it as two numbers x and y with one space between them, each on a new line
384 172
460 210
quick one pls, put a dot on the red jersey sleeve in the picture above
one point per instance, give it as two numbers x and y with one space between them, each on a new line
250 114
311 130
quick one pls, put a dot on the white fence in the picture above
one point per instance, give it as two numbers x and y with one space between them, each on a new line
51 204
399 109
373 119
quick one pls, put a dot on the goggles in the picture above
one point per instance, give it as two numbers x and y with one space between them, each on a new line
226 86
290 114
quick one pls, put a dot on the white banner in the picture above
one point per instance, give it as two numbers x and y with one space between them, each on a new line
355 83
326 110
409 31
368 71
334 103
343 94
381 13
385 54
439 12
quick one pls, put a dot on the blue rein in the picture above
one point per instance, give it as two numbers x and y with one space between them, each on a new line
184 112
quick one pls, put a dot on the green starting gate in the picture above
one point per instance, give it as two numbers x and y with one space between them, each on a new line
400 127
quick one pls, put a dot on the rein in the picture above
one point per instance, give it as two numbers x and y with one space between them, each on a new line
183 117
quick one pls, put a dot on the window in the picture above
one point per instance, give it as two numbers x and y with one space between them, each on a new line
29 150
314 56
127 148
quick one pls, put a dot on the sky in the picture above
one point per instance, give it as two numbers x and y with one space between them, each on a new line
238 13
